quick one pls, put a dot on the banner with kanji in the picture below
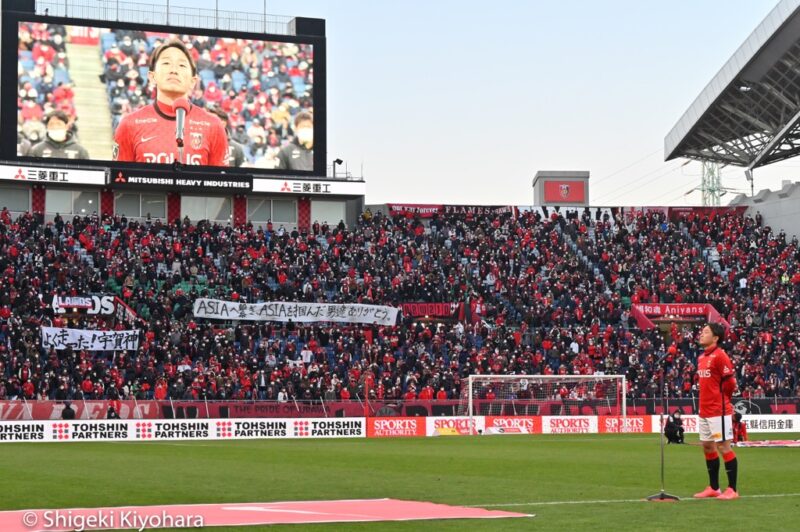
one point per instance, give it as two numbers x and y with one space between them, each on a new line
643 312
297 312
84 340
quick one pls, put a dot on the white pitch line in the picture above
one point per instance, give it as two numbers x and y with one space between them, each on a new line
612 501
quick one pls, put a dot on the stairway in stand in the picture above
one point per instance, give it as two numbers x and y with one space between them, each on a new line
91 100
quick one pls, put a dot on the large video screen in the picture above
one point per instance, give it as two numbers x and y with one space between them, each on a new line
110 94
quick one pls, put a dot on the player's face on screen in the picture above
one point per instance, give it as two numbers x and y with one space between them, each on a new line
172 74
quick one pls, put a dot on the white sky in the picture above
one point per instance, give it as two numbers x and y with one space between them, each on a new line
462 102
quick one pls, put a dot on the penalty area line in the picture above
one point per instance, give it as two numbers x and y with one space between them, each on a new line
612 501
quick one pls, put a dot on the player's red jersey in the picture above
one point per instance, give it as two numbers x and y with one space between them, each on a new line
713 367
148 136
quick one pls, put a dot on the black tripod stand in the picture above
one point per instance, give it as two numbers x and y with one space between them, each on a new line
662 496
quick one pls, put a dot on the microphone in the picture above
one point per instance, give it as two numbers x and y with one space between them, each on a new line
181 106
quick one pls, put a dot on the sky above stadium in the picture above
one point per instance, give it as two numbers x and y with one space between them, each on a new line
462 102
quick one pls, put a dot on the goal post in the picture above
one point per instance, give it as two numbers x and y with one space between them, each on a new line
542 395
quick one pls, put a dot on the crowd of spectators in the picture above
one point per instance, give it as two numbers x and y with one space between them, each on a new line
44 84
546 293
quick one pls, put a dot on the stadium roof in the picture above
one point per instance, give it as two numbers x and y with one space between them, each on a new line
749 114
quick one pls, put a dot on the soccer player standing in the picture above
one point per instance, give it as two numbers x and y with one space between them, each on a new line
148 134
717 384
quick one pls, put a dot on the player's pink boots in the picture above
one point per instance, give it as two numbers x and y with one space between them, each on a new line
711 493
708 493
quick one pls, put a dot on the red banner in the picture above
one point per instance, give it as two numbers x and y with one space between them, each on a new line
564 192
453 311
619 424
84 35
422 210
643 312
514 424
479 210
711 212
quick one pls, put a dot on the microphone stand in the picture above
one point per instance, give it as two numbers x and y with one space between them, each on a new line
662 496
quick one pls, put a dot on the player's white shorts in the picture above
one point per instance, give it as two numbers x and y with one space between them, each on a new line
710 428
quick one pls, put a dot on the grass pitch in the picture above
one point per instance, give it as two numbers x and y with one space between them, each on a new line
571 482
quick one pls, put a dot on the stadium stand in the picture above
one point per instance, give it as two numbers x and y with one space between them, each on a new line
546 295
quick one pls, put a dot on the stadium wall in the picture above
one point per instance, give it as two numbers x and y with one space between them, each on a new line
778 207
257 428
49 190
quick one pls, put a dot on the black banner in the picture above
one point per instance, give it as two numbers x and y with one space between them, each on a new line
186 180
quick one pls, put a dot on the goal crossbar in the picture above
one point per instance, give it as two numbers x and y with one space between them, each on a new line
512 394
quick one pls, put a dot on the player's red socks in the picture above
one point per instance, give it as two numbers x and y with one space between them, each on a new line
712 465
731 468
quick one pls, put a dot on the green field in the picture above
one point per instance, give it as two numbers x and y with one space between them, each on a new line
593 479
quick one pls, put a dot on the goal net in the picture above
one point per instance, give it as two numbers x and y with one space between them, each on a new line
542 395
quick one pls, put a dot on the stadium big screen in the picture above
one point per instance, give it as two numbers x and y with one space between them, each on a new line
254 102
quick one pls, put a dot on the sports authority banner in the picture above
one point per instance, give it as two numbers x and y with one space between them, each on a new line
569 424
393 427
207 429
79 339
453 311
39 174
513 425
297 312
454 426
643 312
620 424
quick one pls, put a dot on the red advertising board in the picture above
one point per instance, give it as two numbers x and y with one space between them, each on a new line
392 427
516 424
619 424
556 191
569 424
433 310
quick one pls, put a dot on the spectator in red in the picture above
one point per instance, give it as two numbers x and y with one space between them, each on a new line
739 428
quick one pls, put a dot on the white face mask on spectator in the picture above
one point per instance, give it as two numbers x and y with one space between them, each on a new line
305 135
58 135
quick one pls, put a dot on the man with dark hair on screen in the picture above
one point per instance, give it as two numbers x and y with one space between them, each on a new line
148 134
299 154
59 142
717 384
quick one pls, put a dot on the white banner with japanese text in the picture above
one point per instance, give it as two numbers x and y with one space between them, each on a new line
83 340
297 312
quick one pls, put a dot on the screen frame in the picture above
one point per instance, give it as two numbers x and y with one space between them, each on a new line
8 95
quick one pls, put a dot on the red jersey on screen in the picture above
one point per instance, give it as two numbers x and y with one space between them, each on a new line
148 136
713 367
